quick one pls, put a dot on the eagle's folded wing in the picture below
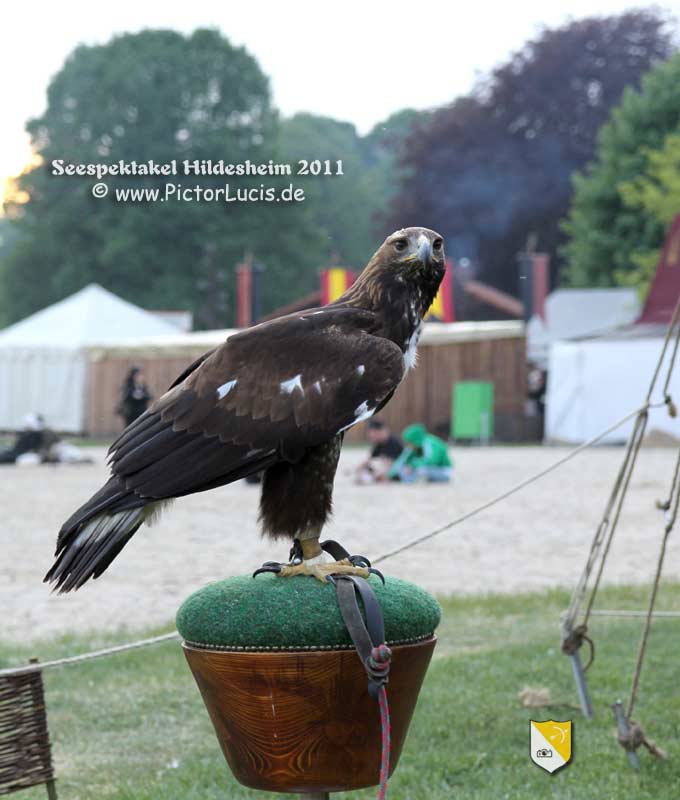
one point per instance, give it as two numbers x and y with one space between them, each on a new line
267 394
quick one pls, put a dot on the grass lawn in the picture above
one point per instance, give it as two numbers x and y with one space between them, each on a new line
133 726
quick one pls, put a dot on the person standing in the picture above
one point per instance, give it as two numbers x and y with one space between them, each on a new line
135 396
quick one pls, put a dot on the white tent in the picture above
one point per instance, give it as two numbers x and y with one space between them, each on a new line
577 313
43 358
592 383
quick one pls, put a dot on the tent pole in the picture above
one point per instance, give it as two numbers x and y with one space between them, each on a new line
624 729
581 685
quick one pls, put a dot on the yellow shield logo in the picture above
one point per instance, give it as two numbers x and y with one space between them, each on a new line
550 744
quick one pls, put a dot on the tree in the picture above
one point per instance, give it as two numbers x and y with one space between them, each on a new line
656 195
341 205
495 166
154 95
624 200
385 150
347 207
7 241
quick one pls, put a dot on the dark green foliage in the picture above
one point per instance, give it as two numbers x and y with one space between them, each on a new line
265 612
610 231
162 95
8 237
155 95
344 208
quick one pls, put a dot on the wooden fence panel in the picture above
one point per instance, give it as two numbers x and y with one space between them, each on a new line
424 396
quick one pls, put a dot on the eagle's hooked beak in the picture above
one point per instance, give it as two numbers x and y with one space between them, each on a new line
424 251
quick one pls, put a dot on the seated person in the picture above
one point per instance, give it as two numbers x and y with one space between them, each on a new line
35 443
29 440
425 457
386 449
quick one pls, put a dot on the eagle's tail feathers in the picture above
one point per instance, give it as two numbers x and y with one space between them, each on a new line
93 545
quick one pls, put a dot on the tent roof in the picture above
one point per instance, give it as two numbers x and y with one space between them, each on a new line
88 317
574 313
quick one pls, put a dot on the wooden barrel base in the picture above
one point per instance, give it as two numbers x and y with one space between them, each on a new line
304 721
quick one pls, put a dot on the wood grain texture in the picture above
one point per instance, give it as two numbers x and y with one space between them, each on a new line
304 721
424 396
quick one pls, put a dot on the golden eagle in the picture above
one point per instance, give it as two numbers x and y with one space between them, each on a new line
275 398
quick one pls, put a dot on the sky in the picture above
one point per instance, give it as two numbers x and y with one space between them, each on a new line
355 61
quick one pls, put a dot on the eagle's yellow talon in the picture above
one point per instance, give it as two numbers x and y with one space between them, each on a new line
322 571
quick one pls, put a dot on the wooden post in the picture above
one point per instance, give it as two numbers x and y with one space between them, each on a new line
581 685
624 730
315 796
39 700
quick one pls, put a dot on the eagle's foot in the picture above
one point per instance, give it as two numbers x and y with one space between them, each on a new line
323 571
320 560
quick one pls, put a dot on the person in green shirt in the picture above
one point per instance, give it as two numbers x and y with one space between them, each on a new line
425 457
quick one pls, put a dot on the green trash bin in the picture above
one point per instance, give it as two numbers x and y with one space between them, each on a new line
472 410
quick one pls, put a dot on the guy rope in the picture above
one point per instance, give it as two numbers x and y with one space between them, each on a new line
576 619
122 648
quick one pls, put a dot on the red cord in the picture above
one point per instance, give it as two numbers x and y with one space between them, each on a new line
385 757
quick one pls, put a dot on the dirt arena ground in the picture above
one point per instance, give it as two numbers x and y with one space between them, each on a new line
536 539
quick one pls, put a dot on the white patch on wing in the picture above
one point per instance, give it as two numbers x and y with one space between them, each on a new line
361 413
225 388
411 354
317 386
289 386
361 369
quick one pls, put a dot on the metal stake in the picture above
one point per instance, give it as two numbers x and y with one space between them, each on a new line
581 685
624 730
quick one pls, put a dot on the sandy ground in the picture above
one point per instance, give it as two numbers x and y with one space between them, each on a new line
538 538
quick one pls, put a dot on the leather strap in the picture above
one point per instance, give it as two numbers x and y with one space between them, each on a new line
368 637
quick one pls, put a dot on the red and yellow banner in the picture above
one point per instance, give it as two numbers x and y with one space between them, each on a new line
442 308
334 282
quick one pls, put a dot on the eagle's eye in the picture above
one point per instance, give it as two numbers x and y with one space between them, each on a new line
400 245
437 245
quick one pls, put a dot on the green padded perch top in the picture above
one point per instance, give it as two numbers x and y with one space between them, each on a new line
300 613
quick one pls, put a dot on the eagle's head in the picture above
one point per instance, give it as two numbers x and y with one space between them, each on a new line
404 273
414 251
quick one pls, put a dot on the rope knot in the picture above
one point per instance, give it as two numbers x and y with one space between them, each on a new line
636 737
380 657
572 642
670 405
633 738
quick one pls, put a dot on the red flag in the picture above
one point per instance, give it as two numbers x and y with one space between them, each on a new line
334 282
665 288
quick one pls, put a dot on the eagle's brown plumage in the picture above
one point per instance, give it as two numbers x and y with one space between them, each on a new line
276 397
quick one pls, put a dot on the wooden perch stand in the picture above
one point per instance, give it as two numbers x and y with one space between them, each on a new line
303 722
